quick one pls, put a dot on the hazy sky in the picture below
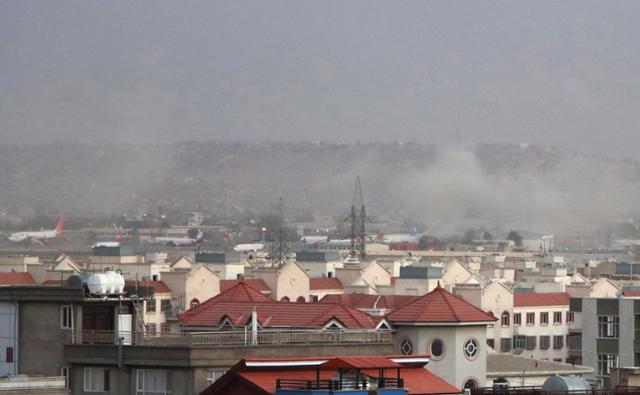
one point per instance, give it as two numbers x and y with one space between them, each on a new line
548 72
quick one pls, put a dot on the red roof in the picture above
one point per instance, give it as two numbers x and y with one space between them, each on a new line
438 307
256 283
541 299
240 291
417 379
364 362
159 287
362 301
16 278
277 314
322 283
631 294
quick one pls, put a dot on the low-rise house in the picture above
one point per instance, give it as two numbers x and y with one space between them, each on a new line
288 283
228 265
319 263
319 287
189 288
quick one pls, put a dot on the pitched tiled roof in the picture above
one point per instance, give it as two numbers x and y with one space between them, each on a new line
541 299
439 307
362 301
277 315
16 278
417 379
256 283
322 283
240 291
631 294
159 287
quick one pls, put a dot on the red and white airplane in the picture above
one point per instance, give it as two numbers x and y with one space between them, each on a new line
40 236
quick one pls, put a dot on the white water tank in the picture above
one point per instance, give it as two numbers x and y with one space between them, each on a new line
107 283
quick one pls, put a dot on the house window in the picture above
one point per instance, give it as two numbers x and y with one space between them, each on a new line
64 372
9 355
504 319
437 349
151 382
471 349
558 342
519 342
151 329
570 317
557 318
608 326
300 299
517 319
314 298
214 375
194 303
165 328
531 342
491 343
406 347
606 362
545 342
151 306
544 318
165 305
66 317
531 318
96 380
505 344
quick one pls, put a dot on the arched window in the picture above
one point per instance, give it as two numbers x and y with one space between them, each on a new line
504 318
194 303
285 299
300 299
471 383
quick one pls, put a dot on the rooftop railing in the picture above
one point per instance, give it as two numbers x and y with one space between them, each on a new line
231 338
337 385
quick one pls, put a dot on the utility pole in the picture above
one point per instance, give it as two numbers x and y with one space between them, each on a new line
279 248
357 220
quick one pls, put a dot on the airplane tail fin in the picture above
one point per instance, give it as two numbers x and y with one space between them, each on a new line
60 226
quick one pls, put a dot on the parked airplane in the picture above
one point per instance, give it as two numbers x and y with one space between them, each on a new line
41 236
179 241
253 247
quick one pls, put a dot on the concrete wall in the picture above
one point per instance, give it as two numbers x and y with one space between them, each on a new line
589 317
41 339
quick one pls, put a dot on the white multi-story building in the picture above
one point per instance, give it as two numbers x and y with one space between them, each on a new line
539 326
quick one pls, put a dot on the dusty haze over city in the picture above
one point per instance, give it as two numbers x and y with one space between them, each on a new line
81 81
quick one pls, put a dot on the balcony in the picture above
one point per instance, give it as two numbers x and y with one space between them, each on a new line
230 338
